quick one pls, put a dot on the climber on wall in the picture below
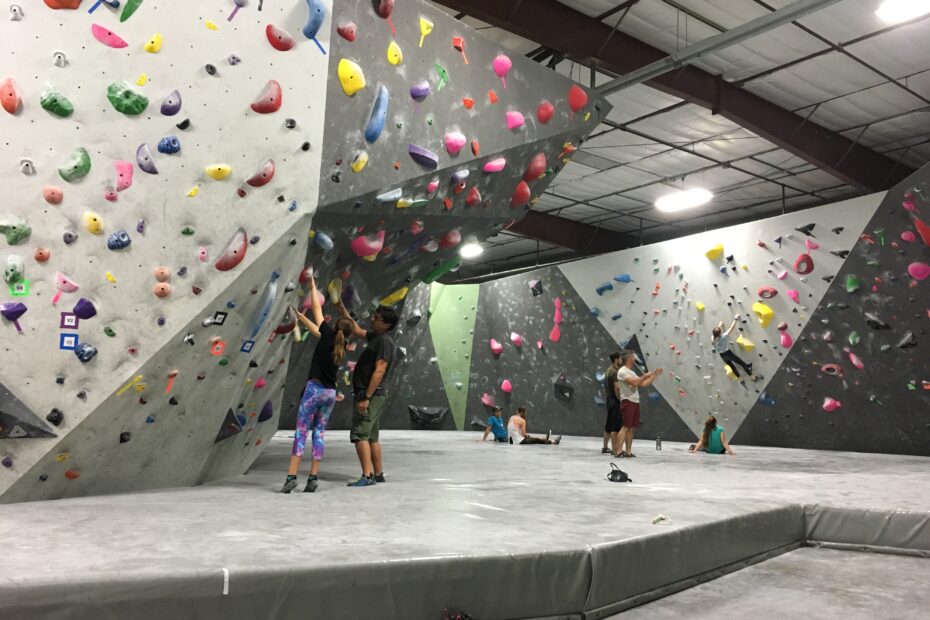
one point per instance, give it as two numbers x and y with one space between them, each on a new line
721 344
629 383
319 396
611 396
369 386
495 426
516 429
713 439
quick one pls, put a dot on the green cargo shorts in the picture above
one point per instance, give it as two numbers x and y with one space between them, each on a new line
366 427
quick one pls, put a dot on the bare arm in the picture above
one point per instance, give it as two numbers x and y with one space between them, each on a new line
732 326
357 331
487 431
310 325
726 444
376 378
315 303
645 380
700 444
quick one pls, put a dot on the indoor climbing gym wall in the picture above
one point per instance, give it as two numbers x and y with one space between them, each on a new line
435 137
769 276
859 379
162 163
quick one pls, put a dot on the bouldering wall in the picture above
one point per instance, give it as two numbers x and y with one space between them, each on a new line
859 379
452 314
161 167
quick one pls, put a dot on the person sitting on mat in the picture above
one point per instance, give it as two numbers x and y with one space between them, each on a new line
721 344
516 429
713 440
496 426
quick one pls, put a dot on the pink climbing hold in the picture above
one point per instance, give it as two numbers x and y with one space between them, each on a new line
123 175
9 96
107 37
260 383
450 239
537 167
110 194
544 112
502 65
854 359
781 275
516 339
786 340
495 165
831 404
539 344
577 98
811 245
918 271
270 99
64 284
203 255
264 174
506 386
910 206
368 245
53 195
515 119
555 334
279 38
496 347
794 295
804 264
487 400
417 226
234 252
521 195
432 186
347 31
455 141
908 236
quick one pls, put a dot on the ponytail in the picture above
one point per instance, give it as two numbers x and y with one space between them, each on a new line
710 425
339 348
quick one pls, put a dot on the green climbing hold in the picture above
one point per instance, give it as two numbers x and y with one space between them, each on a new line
187 231
880 233
15 229
77 167
429 121
56 103
131 7
854 338
109 331
398 125
852 283
224 361
126 100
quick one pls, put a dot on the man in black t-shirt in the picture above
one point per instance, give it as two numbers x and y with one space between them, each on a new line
369 386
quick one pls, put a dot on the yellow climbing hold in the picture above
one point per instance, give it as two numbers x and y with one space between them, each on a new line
371 258
360 161
395 297
194 191
93 223
211 26
587 116
745 343
763 313
153 45
350 76
394 55
218 172
334 288
730 373
426 27
715 252
110 277
143 80
745 267
699 306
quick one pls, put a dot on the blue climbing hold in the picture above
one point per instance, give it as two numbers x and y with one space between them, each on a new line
317 13
118 240
654 396
603 288
624 278
378 115
595 312
169 145
616 317
85 352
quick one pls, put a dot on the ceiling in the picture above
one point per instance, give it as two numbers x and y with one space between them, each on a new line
840 71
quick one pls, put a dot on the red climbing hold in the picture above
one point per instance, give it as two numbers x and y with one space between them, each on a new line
537 167
492 96
234 252
521 195
9 96
450 239
475 147
63 4
923 230
544 112
577 98
279 38
804 265
270 98
473 198
264 174
71 474
385 8
347 31
468 102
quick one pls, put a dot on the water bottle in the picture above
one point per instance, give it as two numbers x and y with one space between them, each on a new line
658 442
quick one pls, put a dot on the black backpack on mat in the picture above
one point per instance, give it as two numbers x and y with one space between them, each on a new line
618 475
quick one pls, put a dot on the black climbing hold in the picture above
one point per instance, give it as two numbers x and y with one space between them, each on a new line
69 237
909 340
160 321
43 477
281 198
292 242
827 278
358 204
253 364
807 229
255 239
82 394
184 124
875 322
142 400
233 59
60 380
182 271
336 176
840 253
210 69
838 230
125 436
290 123
305 146
55 416
172 401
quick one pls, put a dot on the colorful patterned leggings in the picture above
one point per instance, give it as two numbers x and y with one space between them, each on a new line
313 416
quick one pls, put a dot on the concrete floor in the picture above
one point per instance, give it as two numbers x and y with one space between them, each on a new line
447 495
806 583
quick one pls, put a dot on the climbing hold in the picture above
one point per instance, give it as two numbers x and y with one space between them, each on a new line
854 359
473 197
830 404
144 159
162 289
93 223
577 98
129 9
53 195
56 103
623 278
424 157
763 313
123 175
279 38
366 246
786 340
360 161
516 339
169 145
394 54
729 371
420 91
468 102
84 309
699 306
85 352
521 195
218 172
16 13
555 334
264 175
69 237
475 148
852 283
235 251
77 167
455 141
804 264
378 114
42 255
14 269
9 96
603 288
502 65
745 343
495 165
794 295
124 99
923 230
506 386
536 168
107 37
544 112
908 236
767 292
172 104
350 76
515 119
854 338
426 28
496 347
118 240
316 14
715 252
153 45
450 239
347 31
270 99
918 271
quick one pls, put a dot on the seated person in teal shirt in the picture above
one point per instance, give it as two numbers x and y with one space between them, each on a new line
496 426
713 440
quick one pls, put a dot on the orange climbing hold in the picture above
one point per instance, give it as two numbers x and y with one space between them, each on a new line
468 102
492 96
63 4
9 96
923 230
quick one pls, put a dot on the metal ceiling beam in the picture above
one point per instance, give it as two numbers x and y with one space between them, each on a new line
557 26
582 238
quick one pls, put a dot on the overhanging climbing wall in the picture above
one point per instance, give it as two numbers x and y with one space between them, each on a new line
859 379
160 164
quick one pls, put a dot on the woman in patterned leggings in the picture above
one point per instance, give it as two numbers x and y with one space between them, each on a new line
319 396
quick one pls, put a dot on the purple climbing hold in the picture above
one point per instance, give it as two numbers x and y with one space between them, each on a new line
84 309
7 461
267 412
424 157
172 104
420 91
144 159
12 311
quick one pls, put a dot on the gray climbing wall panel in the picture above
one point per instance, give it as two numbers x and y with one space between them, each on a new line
859 379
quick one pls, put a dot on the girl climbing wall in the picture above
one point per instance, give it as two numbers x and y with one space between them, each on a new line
721 344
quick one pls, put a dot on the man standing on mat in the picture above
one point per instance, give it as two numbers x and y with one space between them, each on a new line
629 384
613 424
495 426
516 429
369 386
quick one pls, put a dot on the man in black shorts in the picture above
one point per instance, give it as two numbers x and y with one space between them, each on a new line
612 398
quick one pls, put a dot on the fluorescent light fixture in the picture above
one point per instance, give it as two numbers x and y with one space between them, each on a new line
471 250
684 199
897 11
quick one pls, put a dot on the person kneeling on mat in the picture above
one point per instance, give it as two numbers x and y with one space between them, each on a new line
495 426
713 440
516 429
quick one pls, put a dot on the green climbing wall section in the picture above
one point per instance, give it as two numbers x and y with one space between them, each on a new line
452 325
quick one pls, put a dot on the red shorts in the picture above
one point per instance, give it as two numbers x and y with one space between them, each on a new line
629 411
